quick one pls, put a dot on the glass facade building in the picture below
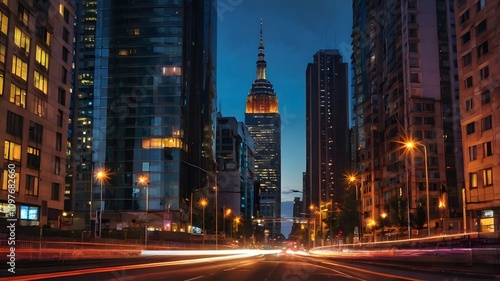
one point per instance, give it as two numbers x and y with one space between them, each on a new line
264 124
154 106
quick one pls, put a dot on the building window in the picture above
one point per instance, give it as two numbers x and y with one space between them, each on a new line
429 120
17 96
65 35
414 78
42 57
466 37
1 83
470 128
481 27
22 14
469 104
417 120
171 71
65 55
12 151
64 75
37 105
41 82
482 49
468 82
58 141
484 73
487 149
467 59
4 23
54 194
480 5
57 165
22 40
59 118
33 161
42 33
19 68
61 96
472 153
6 177
2 53
485 97
487 123
14 124
473 180
31 185
488 177
465 16
35 132
413 47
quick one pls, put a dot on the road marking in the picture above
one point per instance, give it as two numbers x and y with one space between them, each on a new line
229 269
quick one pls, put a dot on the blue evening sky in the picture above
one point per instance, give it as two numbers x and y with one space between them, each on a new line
293 31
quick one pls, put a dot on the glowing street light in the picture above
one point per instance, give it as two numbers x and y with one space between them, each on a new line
203 202
410 145
101 175
383 215
144 180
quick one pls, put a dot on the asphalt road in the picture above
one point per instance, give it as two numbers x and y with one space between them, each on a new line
244 268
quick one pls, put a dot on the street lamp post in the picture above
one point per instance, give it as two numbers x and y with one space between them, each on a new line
101 175
216 199
144 180
203 203
353 179
410 145
383 215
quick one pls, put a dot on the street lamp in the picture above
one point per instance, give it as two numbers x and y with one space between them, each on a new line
372 225
101 175
226 212
383 215
144 180
203 203
353 180
410 145
216 188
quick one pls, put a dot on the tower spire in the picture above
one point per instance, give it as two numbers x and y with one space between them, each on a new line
261 63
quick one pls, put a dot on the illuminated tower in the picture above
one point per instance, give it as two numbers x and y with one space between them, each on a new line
264 124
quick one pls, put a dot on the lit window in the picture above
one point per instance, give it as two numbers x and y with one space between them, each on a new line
22 14
12 151
22 40
473 180
17 96
171 70
36 105
487 149
42 57
488 176
4 23
41 82
1 84
6 178
472 153
2 53
19 68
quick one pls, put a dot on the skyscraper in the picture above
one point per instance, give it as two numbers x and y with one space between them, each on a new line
405 88
154 108
264 124
35 67
327 128
478 33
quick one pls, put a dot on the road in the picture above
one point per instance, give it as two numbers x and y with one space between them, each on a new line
261 267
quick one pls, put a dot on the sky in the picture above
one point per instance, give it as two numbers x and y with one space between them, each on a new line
293 31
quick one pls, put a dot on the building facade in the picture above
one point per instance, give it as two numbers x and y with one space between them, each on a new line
327 128
264 124
236 168
478 43
154 112
35 84
404 88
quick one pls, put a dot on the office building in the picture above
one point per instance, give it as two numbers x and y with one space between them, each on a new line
264 124
35 84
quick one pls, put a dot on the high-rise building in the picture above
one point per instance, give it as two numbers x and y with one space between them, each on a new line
327 129
35 83
478 45
79 170
404 88
236 168
264 124
154 112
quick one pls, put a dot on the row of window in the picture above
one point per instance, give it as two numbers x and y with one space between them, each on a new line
465 16
12 152
481 50
487 175
486 123
32 184
485 99
487 150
